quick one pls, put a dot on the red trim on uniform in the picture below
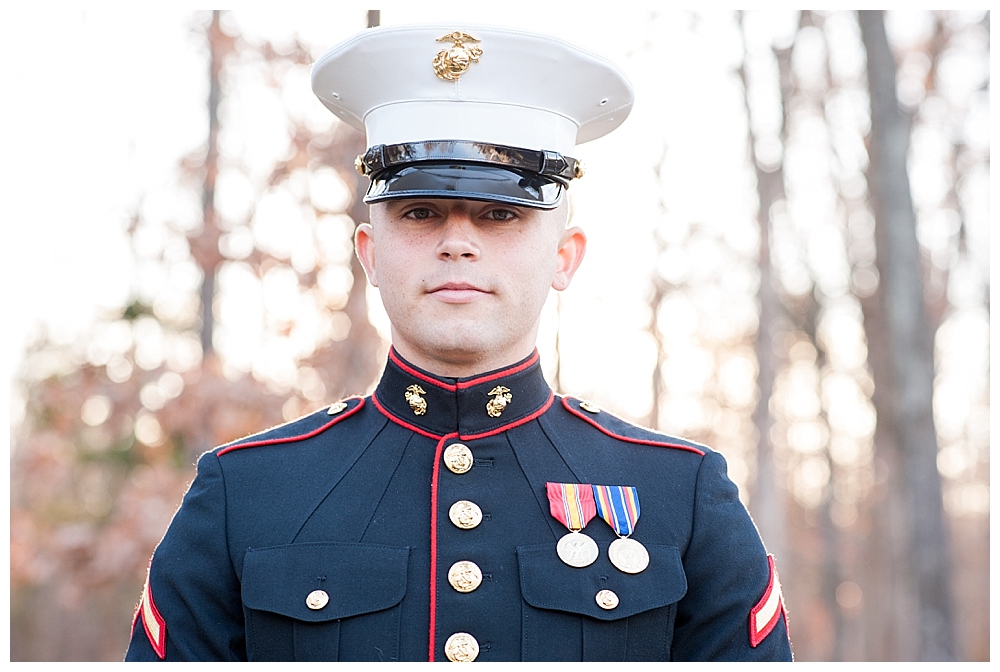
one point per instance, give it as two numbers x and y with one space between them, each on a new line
758 634
463 437
645 442
472 382
516 423
434 516
159 640
528 363
401 422
291 439
416 374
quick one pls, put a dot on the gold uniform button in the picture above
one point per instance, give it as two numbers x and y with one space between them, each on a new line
465 514
458 458
590 407
606 599
465 576
317 599
336 408
461 648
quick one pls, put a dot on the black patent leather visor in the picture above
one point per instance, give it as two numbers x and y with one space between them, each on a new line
473 181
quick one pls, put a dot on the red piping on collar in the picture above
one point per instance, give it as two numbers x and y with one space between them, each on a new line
452 387
500 374
516 423
401 422
645 442
462 437
291 439
416 374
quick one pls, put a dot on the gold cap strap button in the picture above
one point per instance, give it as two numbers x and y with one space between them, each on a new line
465 514
317 599
461 648
465 576
458 458
606 599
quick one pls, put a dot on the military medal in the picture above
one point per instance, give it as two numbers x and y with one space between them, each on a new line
572 504
618 505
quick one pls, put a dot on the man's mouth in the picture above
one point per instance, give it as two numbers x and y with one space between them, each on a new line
457 292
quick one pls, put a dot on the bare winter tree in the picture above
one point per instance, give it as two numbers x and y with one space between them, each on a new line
907 379
767 498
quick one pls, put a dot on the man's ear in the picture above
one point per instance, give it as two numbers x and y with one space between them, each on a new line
364 247
572 247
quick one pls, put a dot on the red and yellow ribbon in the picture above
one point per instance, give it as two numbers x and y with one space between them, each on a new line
572 504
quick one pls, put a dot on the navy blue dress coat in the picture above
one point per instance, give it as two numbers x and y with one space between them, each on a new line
329 538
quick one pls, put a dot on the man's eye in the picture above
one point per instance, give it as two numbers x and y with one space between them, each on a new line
418 213
501 215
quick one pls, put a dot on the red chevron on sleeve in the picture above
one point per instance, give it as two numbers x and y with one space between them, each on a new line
152 622
764 616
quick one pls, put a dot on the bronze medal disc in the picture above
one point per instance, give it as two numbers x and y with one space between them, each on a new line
577 550
628 555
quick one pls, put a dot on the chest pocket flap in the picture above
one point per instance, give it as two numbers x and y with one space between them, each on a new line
548 583
356 578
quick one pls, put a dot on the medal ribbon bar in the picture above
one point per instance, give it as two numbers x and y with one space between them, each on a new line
572 504
619 506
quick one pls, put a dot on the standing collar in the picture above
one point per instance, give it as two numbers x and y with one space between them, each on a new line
470 407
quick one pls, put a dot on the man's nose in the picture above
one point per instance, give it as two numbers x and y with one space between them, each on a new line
458 237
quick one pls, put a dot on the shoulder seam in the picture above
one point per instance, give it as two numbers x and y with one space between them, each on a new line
629 439
292 439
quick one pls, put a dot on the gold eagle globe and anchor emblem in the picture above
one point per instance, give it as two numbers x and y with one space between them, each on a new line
416 402
450 64
501 397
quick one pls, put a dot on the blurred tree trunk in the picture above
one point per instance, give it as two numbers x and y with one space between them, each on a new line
660 289
767 499
890 613
204 243
844 643
831 566
904 406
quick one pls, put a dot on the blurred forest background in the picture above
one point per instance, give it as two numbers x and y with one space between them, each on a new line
832 339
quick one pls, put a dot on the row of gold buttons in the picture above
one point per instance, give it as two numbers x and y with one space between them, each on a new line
465 575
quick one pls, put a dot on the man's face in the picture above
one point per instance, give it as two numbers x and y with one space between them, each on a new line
463 282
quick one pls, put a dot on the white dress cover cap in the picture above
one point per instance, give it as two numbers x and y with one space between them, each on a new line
525 90
479 86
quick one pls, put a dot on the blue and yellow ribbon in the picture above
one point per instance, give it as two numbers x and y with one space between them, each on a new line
618 505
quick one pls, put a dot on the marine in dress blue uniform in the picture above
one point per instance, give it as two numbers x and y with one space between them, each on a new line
414 524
